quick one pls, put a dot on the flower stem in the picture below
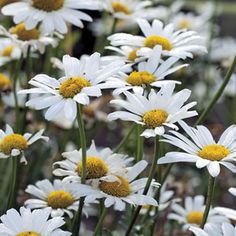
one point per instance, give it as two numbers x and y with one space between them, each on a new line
125 139
210 193
149 181
13 183
140 142
83 145
218 93
100 222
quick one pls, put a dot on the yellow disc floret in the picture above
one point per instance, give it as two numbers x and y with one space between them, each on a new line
13 141
184 24
7 51
141 78
195 217
154 40
28 233
73 86
133 55
60 199
5 82
119 188
24 34
214 152
48 5
95 168
155 118
120 7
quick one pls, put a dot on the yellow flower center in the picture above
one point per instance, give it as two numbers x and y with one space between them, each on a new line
23 34
141 78
60 199
7 51
195 217
95 168
5 82
13 141
155 118
28 233
119 188
48 5
184 24
154 40
73 86
133 55
120 7
214 152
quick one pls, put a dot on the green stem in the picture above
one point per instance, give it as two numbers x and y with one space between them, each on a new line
12 190
100 222
140 143
83 144
125 139
218 93
148 184
210 193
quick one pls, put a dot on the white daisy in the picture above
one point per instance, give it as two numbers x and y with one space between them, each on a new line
121 190
193 211
35 223
82 79
24 38
61 197
202 148
9 51
14 144
180 43
151 73
51 14
130 9
156 111
101 164
225 229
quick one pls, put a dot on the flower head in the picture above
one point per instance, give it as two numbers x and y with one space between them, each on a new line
156 111
14 144
33 223
53 14
83 78
202 148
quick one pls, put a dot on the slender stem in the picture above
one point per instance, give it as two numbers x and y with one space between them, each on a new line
83 144
210 193
140 143
149 181
125 139
113 28
218 93
13 183
100 222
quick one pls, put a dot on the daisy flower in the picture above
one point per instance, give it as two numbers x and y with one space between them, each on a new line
180 43
14 144
5 83
24 38
130 9
101 164
52 15
9 51
192 213
61 197
225 229
156 111
150 73
82 80
33 223
121 190
202 148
